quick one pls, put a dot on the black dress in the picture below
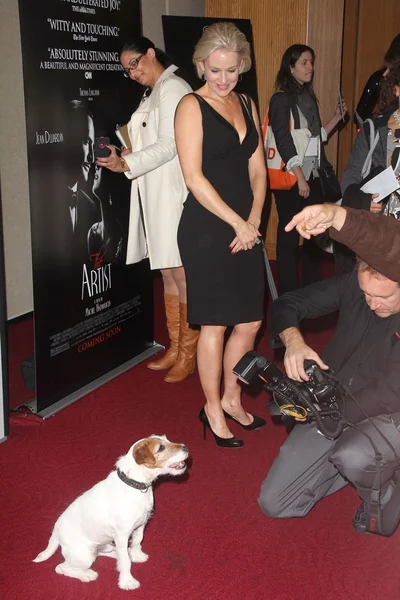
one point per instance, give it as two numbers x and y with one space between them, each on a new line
222 288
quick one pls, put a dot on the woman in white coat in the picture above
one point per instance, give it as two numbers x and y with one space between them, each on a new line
158 192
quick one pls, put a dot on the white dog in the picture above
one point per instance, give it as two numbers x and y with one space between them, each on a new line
114 511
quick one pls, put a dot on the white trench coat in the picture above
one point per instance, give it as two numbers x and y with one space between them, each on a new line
156 173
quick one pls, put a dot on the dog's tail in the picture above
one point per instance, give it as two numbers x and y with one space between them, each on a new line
51 548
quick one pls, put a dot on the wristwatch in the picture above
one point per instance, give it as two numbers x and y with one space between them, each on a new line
124 165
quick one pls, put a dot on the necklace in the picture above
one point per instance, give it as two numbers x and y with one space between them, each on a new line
396 117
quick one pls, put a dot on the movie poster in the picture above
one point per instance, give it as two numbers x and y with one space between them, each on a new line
92 313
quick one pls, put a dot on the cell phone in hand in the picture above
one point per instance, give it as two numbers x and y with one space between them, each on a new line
100 147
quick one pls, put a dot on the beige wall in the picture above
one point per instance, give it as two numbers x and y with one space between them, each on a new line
325 36
13 167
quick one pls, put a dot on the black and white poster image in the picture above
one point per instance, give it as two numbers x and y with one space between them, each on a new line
92 312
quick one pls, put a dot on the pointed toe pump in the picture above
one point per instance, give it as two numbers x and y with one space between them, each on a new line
256 423
232 442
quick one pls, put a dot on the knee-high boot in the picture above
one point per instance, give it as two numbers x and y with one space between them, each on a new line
184 364
172 313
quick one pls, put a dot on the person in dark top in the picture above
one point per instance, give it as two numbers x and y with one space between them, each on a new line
294 95
369 100
364 352
221 153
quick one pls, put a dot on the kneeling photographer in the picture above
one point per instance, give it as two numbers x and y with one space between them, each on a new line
364 354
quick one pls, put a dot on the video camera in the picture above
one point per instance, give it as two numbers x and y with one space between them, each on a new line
317 399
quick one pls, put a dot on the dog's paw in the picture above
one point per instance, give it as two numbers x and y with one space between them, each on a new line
88 575
84 575
128 583
137 555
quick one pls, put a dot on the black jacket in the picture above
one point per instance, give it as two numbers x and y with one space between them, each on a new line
280 105
364 350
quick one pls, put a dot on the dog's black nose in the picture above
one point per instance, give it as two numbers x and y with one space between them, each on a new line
185 448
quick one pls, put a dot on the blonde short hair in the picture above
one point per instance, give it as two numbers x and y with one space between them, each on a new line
364 267
222 35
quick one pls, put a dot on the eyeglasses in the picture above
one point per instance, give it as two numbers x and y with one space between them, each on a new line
132 66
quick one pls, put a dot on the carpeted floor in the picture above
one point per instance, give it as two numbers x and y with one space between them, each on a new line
207 538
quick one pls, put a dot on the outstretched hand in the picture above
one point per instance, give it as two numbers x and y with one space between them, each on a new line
316 219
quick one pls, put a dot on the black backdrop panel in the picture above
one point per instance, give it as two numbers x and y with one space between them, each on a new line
92 312
181 35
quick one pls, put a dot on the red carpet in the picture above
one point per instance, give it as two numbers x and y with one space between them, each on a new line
207 539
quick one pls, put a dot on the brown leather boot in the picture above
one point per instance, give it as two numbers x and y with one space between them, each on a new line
184 364
172 313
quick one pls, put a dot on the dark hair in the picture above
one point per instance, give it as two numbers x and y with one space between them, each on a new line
284 79
141 45
392 55
387 99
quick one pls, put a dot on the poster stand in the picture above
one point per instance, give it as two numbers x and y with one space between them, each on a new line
93 385
93 313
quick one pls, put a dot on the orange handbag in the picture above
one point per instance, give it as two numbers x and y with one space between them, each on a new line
278 177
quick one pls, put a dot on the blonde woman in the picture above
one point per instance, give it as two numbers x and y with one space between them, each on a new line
220 149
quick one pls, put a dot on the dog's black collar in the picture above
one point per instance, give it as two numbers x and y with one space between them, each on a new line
138 485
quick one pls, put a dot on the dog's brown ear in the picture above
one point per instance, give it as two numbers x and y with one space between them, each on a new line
143 453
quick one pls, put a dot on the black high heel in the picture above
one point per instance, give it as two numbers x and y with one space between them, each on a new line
232 442
257 422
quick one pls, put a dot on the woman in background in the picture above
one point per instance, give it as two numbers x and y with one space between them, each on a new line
221 153
370 97
157 193
377 147
294 92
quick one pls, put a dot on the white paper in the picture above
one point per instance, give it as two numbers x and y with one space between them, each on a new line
383 184
312 148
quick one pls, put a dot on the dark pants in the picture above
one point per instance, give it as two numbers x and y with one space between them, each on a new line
309 466
289 203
